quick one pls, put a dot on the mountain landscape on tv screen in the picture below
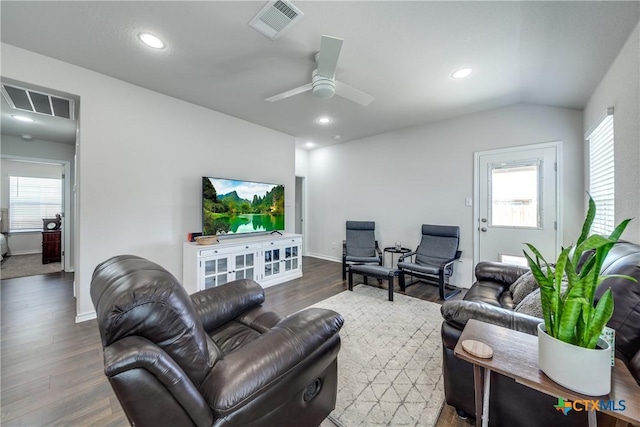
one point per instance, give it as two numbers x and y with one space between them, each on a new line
260 210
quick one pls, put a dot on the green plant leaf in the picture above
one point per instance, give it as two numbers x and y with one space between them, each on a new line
586 227
548 298
617 232
571 312
593 242
601 315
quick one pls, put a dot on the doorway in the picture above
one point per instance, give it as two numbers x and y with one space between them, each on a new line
39 126
300 210
34 196
517 193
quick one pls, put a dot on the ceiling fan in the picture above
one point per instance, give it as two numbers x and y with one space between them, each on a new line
323 83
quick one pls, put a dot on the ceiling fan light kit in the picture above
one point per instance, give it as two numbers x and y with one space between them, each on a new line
323 83
323 87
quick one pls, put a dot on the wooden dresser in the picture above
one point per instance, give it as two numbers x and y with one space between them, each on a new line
51 248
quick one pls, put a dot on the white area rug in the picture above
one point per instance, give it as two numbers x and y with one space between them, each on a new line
390 362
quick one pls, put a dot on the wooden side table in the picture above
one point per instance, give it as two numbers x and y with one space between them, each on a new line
51 246
515 355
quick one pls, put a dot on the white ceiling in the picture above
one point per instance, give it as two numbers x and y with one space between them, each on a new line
402 53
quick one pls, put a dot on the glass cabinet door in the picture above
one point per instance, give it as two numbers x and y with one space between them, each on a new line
291 260
215 272
271 262
245 266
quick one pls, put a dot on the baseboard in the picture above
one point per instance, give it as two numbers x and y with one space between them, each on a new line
86 316
324 257
30 252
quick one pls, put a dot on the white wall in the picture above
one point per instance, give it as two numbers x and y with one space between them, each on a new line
422 175
620 88
302 162
37 149
141 159
24 242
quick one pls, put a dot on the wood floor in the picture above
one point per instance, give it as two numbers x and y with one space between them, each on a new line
52 368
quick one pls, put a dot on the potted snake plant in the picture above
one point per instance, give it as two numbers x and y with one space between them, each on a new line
570 350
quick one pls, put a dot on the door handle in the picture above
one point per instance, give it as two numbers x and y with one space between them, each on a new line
484 229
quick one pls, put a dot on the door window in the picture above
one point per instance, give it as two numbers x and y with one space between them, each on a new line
515 194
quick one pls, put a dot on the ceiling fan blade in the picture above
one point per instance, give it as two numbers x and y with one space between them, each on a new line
289 93
328 56
353 94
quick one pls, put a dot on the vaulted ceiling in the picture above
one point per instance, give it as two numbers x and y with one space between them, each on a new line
402 53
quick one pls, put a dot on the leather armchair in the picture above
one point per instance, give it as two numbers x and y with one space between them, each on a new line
215 358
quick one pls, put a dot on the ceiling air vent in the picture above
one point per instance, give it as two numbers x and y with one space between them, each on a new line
275 18
38 102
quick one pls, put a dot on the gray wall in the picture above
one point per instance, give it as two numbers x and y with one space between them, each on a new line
422 175
140 164
620 88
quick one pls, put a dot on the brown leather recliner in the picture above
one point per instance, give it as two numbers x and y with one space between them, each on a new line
215 358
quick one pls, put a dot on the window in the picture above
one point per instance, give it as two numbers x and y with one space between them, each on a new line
601 174
31 200
514 192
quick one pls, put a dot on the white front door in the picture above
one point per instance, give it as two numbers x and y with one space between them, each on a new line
517 202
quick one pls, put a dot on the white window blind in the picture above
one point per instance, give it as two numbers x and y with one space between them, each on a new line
31 200
602 176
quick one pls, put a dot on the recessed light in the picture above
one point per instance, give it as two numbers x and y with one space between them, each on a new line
151 40
324 120
23 118
337 137
310 144
26 137
462 73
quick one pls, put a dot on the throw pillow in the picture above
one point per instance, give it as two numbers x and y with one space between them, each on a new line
531 305
523 287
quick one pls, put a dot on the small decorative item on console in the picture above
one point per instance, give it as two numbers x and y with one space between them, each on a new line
206 240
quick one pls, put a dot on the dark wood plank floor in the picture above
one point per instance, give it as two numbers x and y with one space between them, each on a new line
52 368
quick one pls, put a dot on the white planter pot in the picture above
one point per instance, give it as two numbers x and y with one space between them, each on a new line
579 369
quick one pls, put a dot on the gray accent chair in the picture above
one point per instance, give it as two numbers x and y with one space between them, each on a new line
433 260
360 246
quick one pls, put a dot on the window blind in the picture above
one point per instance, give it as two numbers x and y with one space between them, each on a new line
602 175
31 200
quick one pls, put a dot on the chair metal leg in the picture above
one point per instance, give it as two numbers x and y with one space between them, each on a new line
350 280
442 287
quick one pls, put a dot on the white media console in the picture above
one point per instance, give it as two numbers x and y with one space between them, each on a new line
268 259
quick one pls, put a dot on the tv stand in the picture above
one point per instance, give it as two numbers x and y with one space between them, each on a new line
276 232
267 259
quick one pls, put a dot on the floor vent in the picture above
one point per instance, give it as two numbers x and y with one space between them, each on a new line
275 18
38 102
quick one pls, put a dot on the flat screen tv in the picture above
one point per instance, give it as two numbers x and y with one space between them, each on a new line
236 207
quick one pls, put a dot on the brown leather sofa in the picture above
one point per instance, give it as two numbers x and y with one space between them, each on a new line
490 300
215 358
